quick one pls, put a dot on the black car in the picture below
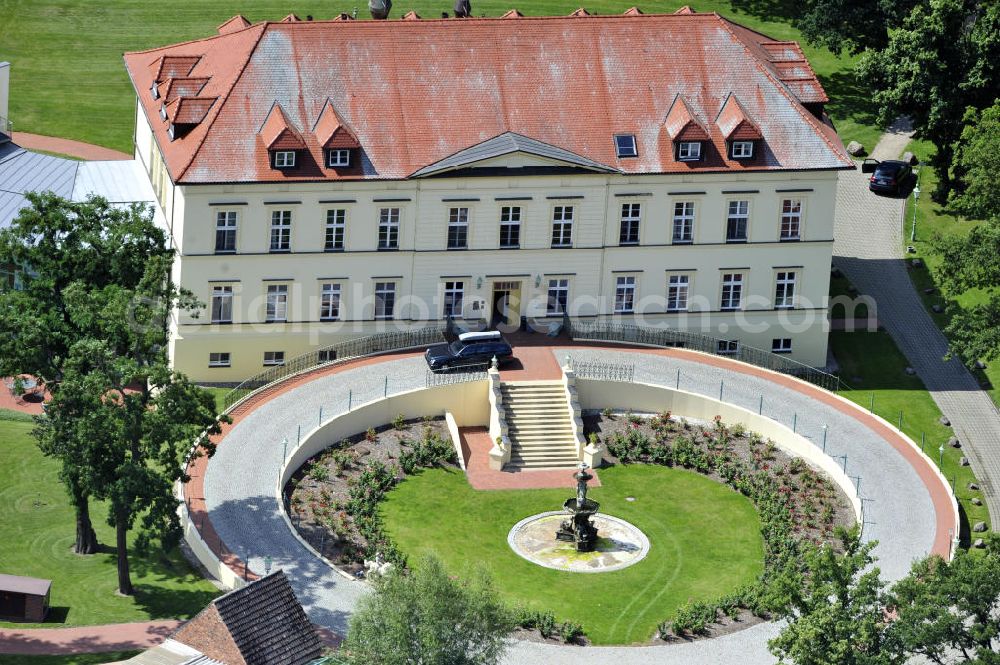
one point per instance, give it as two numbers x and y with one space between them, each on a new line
888 177
470 349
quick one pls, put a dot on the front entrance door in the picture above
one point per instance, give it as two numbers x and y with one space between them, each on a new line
506 305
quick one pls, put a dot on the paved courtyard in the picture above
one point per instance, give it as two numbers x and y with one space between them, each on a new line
240 484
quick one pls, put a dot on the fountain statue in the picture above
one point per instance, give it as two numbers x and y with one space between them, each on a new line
578 529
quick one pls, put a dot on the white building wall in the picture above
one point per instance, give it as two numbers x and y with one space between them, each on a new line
422 264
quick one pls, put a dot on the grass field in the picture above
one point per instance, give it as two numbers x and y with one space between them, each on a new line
36 539
933 223
704 542
78 659
68 79
873 358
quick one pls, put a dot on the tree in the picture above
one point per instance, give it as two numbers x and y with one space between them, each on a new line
834 607
853 25
973 261
425 616
950 612
941 61
63 248
976 168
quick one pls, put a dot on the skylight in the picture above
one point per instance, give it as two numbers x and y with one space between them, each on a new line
625 145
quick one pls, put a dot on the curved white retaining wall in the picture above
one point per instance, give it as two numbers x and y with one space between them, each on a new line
597 394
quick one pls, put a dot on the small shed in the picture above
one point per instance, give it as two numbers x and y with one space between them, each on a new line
24 598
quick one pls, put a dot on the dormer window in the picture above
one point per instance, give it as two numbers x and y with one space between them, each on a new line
284 159
625 145
163 111
741 150
338 158
689 151
154 90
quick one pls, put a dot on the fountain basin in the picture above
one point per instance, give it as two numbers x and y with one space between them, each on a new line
619 544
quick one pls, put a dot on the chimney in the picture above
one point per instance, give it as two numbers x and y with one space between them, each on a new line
4 94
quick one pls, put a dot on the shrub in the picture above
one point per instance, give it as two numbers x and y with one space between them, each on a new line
371 434
319 472
608 414
399 422
569 631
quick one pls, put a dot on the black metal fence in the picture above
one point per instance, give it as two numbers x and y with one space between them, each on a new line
586 369
627 333
346 350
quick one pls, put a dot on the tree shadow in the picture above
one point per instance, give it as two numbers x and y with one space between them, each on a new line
783 11
849 98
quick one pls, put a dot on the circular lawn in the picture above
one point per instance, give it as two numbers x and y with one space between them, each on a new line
704 542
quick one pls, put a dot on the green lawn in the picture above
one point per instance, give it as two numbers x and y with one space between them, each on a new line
64 50
934 222
220 395
873 358
704 542
36 539
78 659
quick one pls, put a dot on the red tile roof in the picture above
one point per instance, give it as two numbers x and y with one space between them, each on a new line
182 86
330 130
735 123
278 133
414 92
189 110
682 124
235 24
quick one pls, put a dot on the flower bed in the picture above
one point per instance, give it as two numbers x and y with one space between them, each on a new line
796 503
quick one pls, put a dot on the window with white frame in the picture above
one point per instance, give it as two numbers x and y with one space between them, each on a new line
683 221
274 358
219 359
388 228
329 302
458 228
791 219
689 151
510 227
784 290
277 303
558 296
284 159
385 300
736 221
336 223
625 145
629 232
454 294
225 231
222 304
625 294
742 150
281 230
335 158
677 293
732 291
781 345
727 347
562 226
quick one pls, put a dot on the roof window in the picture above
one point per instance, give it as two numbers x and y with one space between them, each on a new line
625 145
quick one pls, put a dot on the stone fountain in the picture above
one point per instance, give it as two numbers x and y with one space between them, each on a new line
578 528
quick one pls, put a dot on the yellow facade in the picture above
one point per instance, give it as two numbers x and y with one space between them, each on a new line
592 267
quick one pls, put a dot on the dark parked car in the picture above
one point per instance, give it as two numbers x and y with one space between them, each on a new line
888 177
470 349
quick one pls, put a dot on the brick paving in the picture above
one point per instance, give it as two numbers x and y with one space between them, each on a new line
907 515
86 639
476 446
30 403
868 248
78 149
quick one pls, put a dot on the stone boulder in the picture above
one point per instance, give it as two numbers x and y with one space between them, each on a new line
937 309
963 461
855 149
917 263
973 486
954 442
979 527
978 543
976 501
944 421
910 371
910 158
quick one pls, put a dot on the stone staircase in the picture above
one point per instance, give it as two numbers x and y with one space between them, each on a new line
539 425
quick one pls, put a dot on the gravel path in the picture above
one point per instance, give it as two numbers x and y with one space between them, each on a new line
241 481
868 249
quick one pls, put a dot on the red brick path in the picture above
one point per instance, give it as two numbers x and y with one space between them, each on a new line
86 639
476 446
77 149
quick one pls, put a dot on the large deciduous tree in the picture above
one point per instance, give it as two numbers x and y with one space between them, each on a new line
939 62
949 613
853 25
61 248
426 616
834 607
973 261
976 168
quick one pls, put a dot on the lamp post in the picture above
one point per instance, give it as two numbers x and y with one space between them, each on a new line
941 456
916 195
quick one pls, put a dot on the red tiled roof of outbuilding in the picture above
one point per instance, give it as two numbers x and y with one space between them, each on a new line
414 92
